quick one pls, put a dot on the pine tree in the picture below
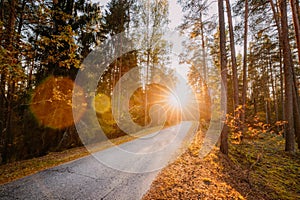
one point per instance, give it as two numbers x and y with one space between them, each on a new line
223 62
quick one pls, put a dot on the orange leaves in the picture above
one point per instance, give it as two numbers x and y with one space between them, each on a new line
281 123
193 35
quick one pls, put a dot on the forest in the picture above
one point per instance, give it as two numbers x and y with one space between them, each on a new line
253 44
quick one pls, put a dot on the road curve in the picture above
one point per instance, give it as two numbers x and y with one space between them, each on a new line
105 174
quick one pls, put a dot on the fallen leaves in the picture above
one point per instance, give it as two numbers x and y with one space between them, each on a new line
256 169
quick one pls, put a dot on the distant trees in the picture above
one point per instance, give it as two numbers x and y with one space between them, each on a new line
198 26
116 21
151 19
201 91
266 75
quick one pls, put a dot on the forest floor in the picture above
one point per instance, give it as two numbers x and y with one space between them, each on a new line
257 168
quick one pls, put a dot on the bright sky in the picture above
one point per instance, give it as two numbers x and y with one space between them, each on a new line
175 14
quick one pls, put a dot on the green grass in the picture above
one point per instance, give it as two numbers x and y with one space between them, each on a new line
270 169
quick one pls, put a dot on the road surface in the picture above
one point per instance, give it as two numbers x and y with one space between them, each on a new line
106 174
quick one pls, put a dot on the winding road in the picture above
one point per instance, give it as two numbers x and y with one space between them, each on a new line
120 172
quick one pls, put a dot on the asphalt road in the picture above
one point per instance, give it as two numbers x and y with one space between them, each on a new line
106 174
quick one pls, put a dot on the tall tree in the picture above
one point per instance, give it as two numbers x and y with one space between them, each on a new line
296 99
244 91
7 78
223 62
233 64
296 18
288 75
199 26
276 15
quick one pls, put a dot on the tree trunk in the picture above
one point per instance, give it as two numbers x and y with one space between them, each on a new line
203 49
273 85
278 25
288 74
267 110
296 24
234 65
282 92
223 62
8 137
296 117
244 92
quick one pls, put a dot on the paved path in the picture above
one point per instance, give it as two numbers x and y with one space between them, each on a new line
112 178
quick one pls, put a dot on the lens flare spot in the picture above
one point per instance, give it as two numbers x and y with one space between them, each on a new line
102 103
51 103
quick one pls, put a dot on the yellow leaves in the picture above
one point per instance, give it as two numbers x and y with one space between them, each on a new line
193 35
281 123
10 65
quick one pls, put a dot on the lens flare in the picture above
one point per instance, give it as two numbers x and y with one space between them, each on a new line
102 103
51 103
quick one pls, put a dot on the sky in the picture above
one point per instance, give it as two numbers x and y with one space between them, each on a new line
175 14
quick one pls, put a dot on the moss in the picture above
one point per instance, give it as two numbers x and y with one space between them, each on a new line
271 170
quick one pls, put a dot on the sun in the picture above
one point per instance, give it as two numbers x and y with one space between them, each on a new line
173 100
178 99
